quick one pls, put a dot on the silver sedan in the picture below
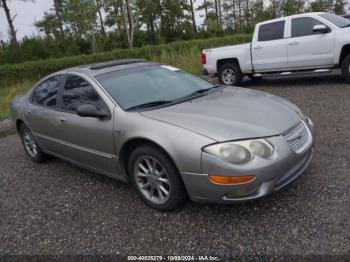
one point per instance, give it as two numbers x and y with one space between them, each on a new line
172 135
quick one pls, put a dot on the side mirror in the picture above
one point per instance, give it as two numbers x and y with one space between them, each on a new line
89 110
320 29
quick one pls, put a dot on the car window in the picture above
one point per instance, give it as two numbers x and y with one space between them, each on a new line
78 91
303 26
46 93
271 31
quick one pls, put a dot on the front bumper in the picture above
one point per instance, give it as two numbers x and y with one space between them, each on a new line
271 175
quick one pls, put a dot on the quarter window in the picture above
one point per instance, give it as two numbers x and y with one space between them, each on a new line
45 94
304 26
78 91
271 31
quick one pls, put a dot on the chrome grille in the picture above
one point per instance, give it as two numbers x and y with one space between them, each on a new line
298 137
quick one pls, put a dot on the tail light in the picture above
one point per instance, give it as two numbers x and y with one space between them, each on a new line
203 58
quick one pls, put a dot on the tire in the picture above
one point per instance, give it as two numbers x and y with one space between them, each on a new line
30 145
345 68
148 184
230 74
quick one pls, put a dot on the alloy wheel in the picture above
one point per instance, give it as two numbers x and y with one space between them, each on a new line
29 143
152 180
228 76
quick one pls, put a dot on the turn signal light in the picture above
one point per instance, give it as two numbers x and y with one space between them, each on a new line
230 180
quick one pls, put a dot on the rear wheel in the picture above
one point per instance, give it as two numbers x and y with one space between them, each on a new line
230 74
30 145
345 68
156 179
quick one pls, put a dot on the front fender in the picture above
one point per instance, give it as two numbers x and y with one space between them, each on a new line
183 146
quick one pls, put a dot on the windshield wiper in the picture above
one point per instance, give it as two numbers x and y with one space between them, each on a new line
201 91
150 104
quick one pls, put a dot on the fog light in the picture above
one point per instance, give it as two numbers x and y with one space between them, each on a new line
247 190
230 180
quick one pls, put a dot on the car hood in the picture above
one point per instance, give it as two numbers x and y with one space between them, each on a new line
231 114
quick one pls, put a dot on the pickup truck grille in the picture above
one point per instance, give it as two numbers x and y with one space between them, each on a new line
298 137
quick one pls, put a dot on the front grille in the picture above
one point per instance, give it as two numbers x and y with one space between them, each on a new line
298 137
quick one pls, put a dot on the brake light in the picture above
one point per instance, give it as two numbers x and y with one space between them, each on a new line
203 58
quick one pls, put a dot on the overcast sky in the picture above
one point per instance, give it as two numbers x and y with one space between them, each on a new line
29 12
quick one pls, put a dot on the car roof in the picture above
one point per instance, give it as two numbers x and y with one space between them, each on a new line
93 70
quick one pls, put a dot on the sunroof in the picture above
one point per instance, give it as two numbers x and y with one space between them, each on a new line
116 63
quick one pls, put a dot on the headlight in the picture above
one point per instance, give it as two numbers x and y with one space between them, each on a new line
241 152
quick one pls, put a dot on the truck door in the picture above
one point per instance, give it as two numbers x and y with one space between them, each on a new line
308 48
269 49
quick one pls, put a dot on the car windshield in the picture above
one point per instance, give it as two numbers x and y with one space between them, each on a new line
336 20
151 86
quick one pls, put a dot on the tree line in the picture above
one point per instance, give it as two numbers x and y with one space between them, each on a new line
73 27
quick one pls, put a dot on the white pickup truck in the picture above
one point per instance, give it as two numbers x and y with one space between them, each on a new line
304 43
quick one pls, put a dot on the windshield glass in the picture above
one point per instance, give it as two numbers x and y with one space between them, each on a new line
138 86
336 20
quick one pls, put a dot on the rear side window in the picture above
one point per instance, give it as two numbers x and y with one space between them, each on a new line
77 91
304 26
46 93
271 31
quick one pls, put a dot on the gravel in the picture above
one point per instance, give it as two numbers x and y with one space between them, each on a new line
56 208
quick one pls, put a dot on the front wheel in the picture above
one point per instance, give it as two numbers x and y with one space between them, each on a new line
345 68
230 74
156 179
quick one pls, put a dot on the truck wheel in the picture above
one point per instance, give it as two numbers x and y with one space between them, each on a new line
230 74
345 68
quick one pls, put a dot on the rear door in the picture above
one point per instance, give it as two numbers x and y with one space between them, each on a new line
307 49
86 140
269 51
41 113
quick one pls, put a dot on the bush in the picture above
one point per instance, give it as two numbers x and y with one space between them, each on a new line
31 71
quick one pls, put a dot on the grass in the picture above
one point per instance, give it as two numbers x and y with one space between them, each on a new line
188 60
8 93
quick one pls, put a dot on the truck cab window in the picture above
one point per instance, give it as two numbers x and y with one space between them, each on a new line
271 31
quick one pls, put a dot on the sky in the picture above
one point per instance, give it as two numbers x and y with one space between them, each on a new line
29 12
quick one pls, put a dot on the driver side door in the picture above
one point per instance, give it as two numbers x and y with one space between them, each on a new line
87 141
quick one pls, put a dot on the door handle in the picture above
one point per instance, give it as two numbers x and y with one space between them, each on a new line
62 120
258 47
294 43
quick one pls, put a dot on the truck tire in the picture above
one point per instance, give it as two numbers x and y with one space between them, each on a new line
230 74
345 68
